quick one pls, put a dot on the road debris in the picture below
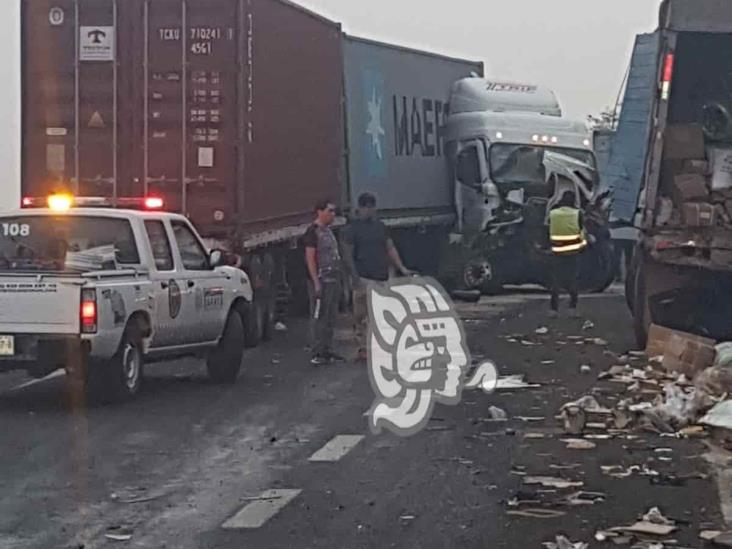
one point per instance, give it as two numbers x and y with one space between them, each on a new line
497 414
542 331
585 369
653 523
720 416
517 381
579 444
536 512
588 325
564 543
552 482
280 327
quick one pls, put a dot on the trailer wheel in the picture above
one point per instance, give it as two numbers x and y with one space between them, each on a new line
224 363
641 308
269 297
256 310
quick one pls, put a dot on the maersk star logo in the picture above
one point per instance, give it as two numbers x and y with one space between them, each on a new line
374 128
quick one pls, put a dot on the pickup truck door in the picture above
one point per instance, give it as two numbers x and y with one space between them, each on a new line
207 287
165 289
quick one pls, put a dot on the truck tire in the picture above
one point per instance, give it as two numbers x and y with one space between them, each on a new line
641 309
119 379
269 296
224 363
256 311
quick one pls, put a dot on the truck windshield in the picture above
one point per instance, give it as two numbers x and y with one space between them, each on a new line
523 164
65 243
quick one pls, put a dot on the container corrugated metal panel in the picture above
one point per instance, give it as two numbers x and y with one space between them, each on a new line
396 104
627 164
229 109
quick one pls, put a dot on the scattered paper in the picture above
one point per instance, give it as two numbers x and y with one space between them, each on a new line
552 482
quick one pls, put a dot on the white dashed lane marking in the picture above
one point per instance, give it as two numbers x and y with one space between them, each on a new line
258 512
336 448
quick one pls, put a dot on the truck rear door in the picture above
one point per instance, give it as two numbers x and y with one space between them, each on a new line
629 152
30 304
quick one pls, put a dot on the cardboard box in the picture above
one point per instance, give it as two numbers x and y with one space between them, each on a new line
688 354
697 214
658 337
721 167
683 142
690 187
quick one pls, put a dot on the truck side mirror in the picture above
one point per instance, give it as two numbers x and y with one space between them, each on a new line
216 259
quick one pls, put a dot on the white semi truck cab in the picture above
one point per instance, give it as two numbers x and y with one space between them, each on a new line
500 138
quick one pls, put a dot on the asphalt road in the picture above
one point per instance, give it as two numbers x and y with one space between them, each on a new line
194 465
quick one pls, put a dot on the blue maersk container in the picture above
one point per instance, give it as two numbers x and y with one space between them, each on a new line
396 104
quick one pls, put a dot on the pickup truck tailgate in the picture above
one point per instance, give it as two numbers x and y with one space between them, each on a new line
39 305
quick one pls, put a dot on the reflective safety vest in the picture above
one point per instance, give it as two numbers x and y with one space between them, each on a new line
565 232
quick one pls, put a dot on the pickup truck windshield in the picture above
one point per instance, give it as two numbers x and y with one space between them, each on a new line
65 243
523 164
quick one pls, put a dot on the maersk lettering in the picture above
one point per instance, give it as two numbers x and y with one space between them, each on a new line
417 123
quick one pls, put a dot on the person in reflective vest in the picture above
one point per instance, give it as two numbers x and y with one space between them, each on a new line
568 240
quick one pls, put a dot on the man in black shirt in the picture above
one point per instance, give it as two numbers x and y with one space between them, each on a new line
369 253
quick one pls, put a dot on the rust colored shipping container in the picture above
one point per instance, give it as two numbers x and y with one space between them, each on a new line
231 110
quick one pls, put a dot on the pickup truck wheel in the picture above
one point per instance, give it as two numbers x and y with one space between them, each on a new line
224 363
120 379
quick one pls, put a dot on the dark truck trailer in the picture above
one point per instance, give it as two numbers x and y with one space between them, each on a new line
671 170
397 102
230 110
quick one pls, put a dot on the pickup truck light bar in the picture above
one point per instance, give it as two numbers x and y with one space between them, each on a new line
64 202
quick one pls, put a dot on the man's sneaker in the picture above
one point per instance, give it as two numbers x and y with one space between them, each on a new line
319 360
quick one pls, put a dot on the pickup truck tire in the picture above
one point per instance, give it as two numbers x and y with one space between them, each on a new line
120 379
224 363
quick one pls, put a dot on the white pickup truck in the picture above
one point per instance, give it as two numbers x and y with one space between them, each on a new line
100 292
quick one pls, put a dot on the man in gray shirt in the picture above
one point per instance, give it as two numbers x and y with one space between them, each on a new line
324 265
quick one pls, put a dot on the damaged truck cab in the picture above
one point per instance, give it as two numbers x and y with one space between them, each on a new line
512 154
680 195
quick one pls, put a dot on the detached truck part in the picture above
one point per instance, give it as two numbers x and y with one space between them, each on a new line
670 171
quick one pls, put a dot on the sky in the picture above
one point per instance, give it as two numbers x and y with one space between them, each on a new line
578 48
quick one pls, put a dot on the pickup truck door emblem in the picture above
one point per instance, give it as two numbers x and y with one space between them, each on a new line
174 299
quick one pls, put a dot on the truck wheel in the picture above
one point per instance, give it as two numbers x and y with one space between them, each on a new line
269 297
256 310
120 379
641 309
224 363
